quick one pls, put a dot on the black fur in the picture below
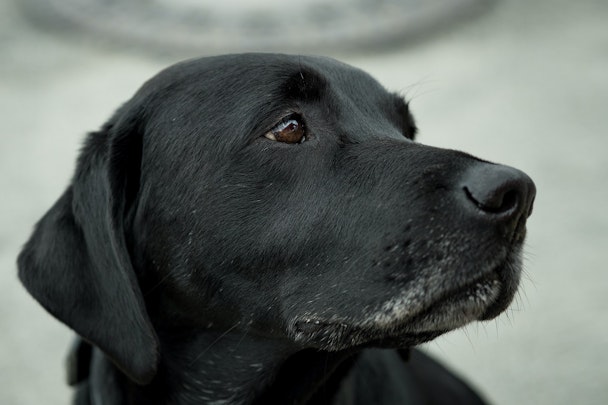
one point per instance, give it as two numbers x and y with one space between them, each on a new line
202 262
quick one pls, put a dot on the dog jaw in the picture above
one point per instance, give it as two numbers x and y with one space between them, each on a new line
417 314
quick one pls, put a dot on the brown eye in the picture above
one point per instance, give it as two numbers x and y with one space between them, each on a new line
289 130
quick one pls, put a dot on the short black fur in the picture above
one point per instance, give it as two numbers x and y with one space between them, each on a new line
201 262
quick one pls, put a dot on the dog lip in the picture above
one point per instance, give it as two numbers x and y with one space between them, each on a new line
471 290
460 306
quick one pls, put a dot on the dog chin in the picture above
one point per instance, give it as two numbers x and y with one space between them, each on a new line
411 318
460 307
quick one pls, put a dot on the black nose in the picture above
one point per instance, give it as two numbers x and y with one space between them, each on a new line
501 194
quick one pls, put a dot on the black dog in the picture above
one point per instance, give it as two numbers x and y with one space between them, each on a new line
248 228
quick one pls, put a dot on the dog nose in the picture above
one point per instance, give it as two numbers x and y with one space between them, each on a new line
501 194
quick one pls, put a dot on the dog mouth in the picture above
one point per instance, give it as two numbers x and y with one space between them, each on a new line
408 319
459 307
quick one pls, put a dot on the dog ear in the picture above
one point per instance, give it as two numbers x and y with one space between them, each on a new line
76 263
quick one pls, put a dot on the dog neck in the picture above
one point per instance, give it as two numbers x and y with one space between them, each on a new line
221 368
231 368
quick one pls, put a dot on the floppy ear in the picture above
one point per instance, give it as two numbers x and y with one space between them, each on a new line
76 263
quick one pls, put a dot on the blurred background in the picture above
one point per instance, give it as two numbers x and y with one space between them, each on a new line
519 82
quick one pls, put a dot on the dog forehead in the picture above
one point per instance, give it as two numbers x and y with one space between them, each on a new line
241 76
216 93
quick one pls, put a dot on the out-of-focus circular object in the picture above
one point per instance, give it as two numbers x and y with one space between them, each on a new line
206 27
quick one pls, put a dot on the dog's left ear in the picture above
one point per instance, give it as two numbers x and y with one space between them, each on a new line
77 264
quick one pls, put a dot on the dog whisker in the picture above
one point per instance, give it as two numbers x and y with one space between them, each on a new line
158 284
220 337
465 331
412 91
238 343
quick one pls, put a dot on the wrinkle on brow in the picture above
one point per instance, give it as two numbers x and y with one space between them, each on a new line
304 85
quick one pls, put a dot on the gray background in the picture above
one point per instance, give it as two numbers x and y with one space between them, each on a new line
526 85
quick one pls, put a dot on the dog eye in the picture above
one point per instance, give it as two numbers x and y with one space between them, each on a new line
289 130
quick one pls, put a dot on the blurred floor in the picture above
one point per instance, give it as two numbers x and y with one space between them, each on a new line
525 85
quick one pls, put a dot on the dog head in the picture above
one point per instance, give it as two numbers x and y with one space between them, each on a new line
280 195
